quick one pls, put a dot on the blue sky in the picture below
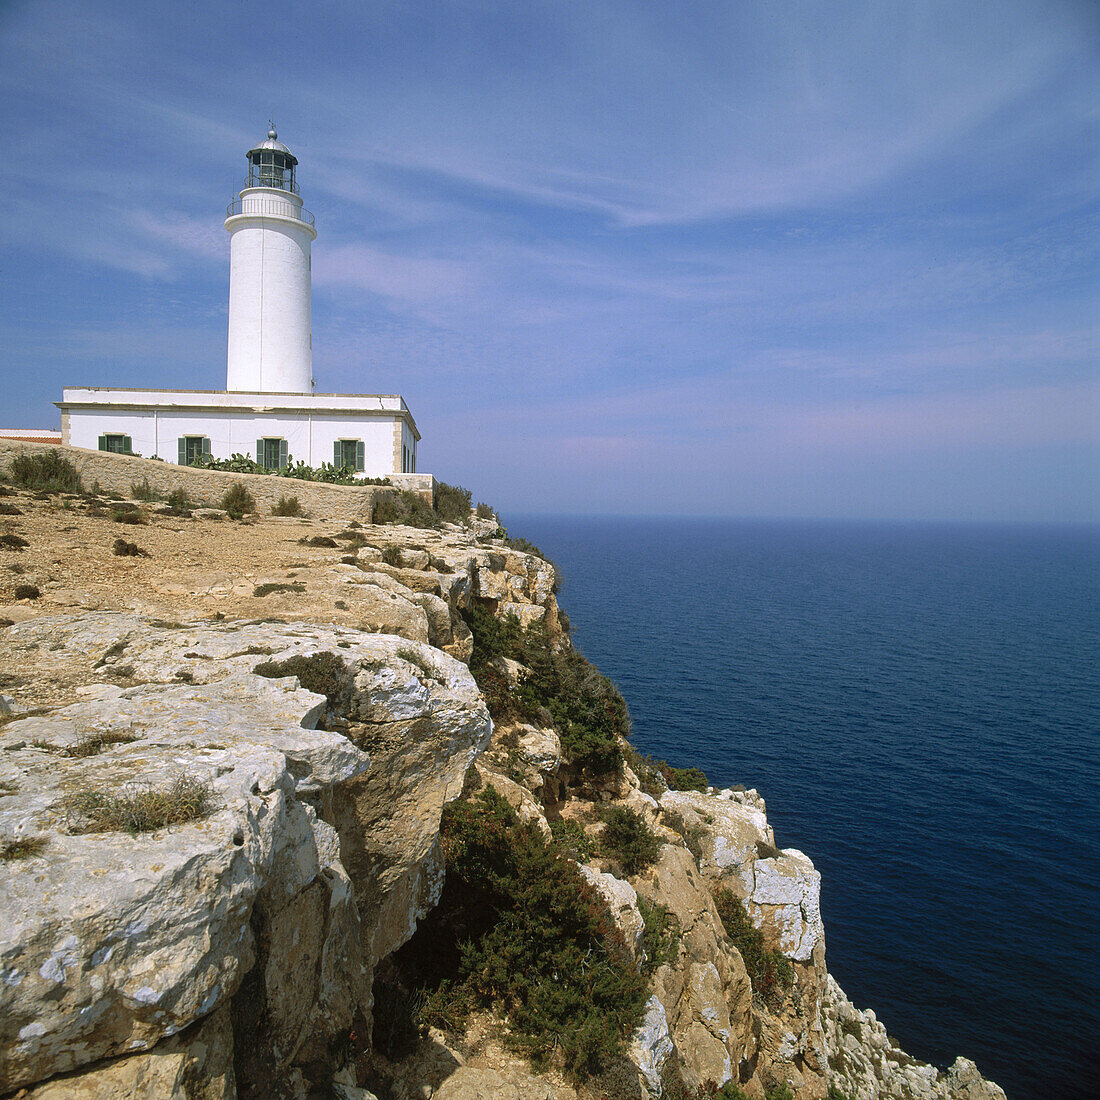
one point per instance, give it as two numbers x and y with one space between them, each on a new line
776 259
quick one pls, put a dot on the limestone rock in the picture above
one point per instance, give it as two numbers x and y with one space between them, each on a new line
115 942
539 748
119 942
705 991
196 1064
785 899
865 1064
729 829
651 1046
622 902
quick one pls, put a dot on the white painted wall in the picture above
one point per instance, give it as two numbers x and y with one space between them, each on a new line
270 325
309 436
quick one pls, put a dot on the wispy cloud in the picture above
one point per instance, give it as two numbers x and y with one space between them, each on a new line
593 244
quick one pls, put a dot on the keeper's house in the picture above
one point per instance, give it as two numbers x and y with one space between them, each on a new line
268 410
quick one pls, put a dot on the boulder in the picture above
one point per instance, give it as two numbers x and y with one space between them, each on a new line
621 900
785 900
114 941
197 1064
119 943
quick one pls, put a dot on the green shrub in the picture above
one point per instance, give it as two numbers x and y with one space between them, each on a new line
561 689
779 1092
572 840
179 498
405 507
286 506
518 929
48 472
321 673
128 514
628 839
235 464
270 587
140 810
237 500
484 511
392 556
142 490
452 503
686 779
660 935
771 972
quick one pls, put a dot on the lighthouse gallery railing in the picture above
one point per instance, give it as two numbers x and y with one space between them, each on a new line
269 207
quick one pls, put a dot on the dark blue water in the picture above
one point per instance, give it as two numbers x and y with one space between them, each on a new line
919 706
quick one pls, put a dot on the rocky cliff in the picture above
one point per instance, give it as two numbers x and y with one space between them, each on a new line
223 771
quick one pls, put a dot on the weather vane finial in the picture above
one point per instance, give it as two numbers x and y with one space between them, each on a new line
271 132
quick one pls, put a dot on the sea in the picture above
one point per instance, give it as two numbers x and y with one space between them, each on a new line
919 704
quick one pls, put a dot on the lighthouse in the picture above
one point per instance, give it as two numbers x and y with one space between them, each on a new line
270 233
269 409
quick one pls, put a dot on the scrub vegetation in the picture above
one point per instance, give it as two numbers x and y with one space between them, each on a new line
452 505
48 472
520 931
24 847
286 506
628 840
771 972
560 689
326 472
237 500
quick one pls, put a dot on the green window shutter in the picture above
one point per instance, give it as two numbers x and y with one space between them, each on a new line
338 454
260 451
359 456
103 443
282 454
205 446
127 445
181 451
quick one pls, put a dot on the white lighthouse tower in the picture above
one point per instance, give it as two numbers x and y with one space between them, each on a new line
270 337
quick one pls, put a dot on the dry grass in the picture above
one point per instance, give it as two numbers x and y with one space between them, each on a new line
138 810
22 848
95 743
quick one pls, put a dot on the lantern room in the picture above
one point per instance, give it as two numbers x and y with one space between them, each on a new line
272 164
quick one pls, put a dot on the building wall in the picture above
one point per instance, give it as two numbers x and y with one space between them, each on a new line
309 436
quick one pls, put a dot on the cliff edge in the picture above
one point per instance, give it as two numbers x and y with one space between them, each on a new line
248 769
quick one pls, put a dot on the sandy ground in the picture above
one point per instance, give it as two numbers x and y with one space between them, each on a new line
198 568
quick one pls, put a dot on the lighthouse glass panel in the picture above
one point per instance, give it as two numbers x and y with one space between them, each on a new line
270 168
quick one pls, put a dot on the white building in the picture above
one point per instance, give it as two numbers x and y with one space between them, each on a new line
268 410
